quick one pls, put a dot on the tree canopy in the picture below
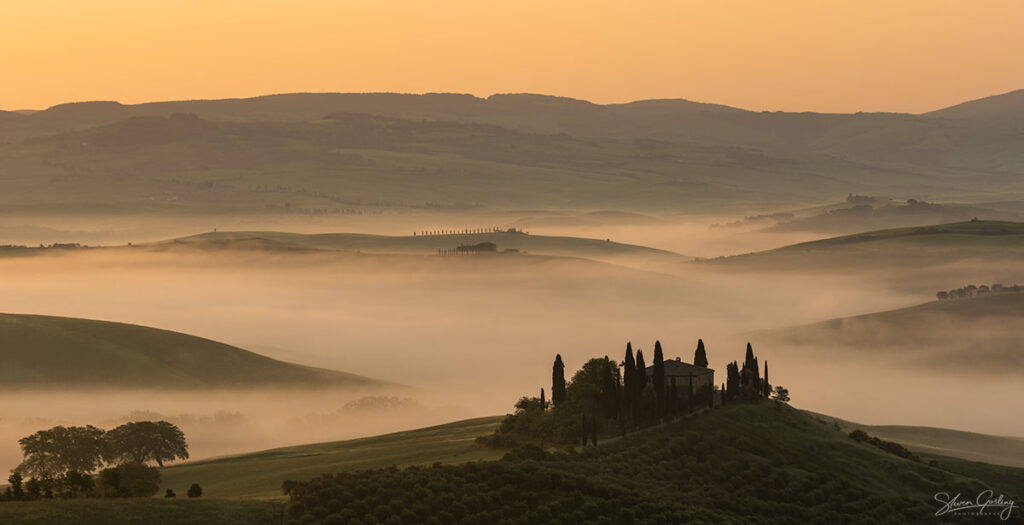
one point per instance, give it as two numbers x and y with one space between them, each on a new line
49 453
144 441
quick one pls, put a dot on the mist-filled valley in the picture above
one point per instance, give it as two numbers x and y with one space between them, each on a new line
460 336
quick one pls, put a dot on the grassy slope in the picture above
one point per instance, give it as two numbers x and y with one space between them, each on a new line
943 442
259 475
536 244
43 352
742 464
735 463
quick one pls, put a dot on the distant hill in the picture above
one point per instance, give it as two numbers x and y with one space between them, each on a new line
425 244
1006 106
977 334
43 352
515 151
910 249
858 213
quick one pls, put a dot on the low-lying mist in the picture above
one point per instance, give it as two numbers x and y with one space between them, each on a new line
472 334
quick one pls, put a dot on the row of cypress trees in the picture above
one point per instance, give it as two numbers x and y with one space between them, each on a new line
746 383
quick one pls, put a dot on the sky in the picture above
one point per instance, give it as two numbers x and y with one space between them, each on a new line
834 56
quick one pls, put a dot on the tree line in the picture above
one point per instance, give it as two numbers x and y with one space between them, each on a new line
62 462
971 290
608 397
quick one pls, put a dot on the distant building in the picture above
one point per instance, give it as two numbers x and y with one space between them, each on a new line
684 373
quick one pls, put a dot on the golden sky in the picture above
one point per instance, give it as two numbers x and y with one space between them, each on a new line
815 55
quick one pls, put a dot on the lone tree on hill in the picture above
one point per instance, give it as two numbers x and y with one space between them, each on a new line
543 402
658 377
140 442
781 394
558 381
700 357
766 388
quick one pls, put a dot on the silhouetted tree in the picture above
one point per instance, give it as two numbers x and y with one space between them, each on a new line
543 403
781 394
639 385
558 382
143 441
732 380
766 388
50 453
700 357
195 491
658 381
15 489
628 380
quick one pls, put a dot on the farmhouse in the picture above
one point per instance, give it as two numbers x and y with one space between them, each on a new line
702 378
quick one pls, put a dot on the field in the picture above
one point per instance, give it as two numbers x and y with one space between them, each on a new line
259 475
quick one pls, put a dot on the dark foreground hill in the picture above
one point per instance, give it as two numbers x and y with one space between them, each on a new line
736 464
741 464
43 352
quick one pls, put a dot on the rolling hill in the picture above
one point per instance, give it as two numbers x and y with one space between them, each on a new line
1005 106
259 474
803 466
428 244
511 151
793 453
900 249
43 352
976 334
971 446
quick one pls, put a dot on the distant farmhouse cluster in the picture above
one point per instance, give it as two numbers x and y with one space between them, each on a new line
972 291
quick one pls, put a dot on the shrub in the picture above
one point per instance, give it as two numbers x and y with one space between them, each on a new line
195 491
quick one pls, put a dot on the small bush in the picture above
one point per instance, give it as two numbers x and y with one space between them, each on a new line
195 491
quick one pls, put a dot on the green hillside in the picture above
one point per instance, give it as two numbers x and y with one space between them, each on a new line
727 465
737 464
43 352
429 244
259 475
995 450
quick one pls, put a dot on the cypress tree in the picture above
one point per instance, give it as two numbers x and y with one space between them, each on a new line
765 387
700 357
558 381
640 382
628 380
543 404
658 377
